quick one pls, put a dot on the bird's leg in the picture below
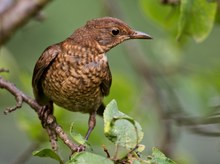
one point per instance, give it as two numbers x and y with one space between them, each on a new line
91 124
48 121
44 113
43 116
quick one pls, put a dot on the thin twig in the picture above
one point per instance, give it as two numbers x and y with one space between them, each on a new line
106 151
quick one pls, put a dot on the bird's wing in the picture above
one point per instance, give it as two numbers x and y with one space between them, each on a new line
45 60
106 82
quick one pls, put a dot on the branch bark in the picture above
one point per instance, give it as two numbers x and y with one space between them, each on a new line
18 15
50 120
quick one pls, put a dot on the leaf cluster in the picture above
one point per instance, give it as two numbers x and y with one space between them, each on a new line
123 131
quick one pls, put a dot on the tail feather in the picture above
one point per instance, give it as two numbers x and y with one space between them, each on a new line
101 109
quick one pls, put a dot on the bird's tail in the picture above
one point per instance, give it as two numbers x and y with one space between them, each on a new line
101 109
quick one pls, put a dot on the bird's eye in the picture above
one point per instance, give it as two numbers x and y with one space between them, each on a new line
115 32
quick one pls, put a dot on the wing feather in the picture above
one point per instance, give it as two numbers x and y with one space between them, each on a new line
106 82
43 63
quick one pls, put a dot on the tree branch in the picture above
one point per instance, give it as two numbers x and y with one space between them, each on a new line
18 15
54 127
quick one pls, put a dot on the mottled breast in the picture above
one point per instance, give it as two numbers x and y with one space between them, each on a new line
73 80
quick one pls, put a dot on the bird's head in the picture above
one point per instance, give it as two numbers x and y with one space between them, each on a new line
106 33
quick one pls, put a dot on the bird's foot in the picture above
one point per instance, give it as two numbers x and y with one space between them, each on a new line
54 130
43 115
78 149
81 148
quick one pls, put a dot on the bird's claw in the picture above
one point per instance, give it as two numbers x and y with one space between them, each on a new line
79 148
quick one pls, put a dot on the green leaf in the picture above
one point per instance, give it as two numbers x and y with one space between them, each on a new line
196 19
87 157
164 15
47 153
140 148
121 129
76 136
159 157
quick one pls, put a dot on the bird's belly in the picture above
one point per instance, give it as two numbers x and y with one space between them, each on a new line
74 96
78 101
74 90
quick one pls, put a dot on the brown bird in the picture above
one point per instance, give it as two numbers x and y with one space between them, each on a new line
75 74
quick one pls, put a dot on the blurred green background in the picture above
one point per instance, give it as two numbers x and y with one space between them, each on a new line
187 80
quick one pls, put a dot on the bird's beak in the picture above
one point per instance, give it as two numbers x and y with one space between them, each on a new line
140 35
